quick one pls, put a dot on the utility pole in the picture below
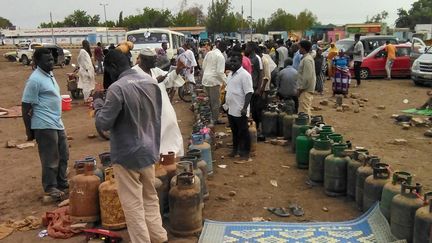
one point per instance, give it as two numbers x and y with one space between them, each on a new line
241 25
251 20
106 24
52 29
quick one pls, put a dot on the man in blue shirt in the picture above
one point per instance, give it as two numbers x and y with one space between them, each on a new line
297 59
41 109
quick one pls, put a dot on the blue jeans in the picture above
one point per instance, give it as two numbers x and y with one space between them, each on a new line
54 154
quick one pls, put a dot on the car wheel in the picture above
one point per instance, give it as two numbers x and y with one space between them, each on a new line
25 60
67 61
364 73
416 82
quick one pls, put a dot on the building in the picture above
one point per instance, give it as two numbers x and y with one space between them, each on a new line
65 36
365 29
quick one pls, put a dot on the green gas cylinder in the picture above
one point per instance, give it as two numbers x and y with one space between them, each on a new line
363 172
403 210
423 221
317 155
357 160
374 184
269 123
287 123
335 167
304 144
335 138
392 189
301 120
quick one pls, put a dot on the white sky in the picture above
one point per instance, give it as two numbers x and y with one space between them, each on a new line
29 13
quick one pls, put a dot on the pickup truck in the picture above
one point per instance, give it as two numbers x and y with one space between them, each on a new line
421 59
61 56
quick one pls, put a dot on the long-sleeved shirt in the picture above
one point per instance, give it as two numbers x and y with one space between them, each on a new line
286 82
306 73
132 113
297 59
214 69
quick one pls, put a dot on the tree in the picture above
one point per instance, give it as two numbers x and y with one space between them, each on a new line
379 17
149 18
305 20
79 18
192 16
220 19
5 23
420 13
120 19
260 26
281 20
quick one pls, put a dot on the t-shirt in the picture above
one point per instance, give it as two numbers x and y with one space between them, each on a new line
43 93
246 64
391 52
282 56
256 69
358 47
238 85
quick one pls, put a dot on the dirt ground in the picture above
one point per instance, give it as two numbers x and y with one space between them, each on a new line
20 180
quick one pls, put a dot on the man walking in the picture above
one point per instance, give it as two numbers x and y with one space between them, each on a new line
213 77
358 54
391 56
281 54
98 56
238 96
286 83
41 109
132 113
306 78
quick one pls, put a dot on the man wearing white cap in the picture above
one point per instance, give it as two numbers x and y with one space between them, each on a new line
171 138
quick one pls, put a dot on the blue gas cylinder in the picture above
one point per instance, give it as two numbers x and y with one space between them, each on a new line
199 143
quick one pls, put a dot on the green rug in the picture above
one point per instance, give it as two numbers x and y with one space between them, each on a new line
425 112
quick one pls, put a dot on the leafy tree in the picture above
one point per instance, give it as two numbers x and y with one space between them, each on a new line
379 17
120 19
5 23
220 19
305 20
420 13
260 26
149 17
281 20
79 18
192 16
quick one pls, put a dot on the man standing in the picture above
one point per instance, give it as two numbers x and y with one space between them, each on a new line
188 58
281 54
391 56
239 94
41 109
297 59
98 56
162 60
306 78
358 54
213 77
286 83
132 113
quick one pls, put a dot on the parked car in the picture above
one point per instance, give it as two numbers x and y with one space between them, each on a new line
61 57
11 56
421 58
373 65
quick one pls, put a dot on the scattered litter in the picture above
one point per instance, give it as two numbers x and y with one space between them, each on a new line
221 135
222 166
285 166
70 138
25 145
375 116
222 157
241 176
221 198
242 161
274 183
428 133
325 209
63 203
399 141
381 107
91 135
232 193
281 212
258 219
405 101
296 209
43 233
11 144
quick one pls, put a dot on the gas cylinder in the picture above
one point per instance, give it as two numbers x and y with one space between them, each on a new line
335 138
353 165
362 173
162 175
197 171
168 162
374 184
315 120
287 123
105 159
392 189
83 196
201 163
280 117
317 155
112 215
403 211
269 122
335 167
327 128
185 205
253 136
205 148
301 120
304 144
423 221
89 159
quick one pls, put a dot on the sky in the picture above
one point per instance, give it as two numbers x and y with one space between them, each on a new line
30 13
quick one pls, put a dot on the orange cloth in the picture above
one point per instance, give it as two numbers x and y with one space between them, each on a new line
391 52
59 223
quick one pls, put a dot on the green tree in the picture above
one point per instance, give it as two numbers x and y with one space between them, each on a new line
305 20
260 26
149 17
79 18
192 16
420 13
220 18
379 17
281 20
5 23
120 19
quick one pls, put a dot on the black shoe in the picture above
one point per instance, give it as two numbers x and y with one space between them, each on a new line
232 154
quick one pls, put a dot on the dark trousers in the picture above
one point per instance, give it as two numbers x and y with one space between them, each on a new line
257 106
357 67
240 135
293 98
54 154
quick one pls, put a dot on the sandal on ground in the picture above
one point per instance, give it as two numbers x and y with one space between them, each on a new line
56 194
281 212
296 210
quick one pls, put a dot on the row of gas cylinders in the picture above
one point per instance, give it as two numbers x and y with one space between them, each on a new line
182 186
362 177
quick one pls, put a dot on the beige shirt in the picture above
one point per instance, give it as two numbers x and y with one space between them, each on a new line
306 74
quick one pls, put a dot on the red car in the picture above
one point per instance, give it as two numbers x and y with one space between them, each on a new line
374 64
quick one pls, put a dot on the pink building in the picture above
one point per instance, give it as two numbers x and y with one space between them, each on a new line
335 35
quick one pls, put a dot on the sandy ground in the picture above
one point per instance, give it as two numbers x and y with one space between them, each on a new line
20 180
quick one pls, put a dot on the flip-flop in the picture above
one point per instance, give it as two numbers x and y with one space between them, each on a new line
56 194
281 212
296 210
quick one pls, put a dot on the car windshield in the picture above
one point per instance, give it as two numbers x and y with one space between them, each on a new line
345 44
148 38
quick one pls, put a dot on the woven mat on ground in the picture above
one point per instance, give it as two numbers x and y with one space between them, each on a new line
370 227
425 112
